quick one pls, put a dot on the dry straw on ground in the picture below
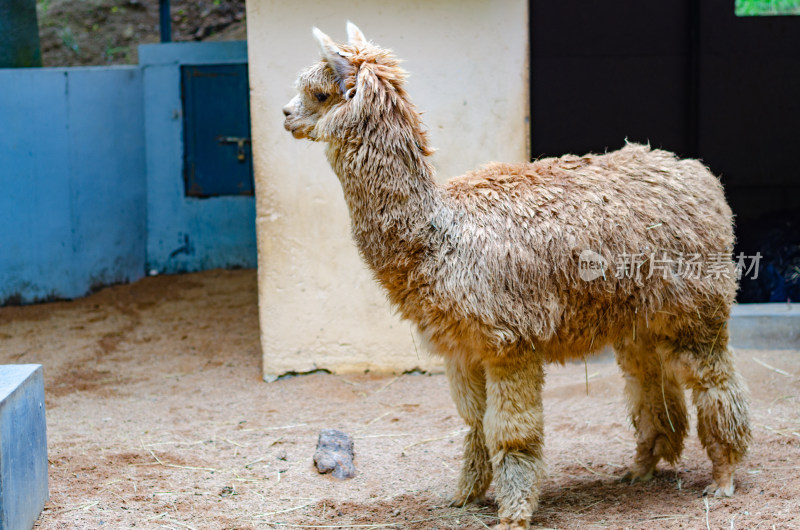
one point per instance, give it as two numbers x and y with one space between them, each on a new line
157 418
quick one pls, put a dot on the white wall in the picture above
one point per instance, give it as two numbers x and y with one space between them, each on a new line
319 306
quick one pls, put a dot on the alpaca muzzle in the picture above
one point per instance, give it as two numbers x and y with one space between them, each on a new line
290 112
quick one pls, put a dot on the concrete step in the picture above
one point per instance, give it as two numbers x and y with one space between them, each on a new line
23 446
765 326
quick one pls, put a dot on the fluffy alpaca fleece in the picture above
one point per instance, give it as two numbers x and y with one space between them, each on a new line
491 269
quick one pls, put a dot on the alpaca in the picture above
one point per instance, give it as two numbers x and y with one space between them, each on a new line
492 269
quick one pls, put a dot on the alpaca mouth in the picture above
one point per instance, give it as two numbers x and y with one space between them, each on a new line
296 132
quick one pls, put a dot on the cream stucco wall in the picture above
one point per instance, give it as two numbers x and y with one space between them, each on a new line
319 306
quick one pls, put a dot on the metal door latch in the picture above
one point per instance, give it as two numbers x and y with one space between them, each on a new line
240 143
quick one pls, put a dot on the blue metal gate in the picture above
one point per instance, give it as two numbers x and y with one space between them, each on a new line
216 113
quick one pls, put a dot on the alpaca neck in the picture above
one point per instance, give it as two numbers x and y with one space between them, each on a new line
390 192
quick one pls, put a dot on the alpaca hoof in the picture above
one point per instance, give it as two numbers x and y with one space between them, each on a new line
505 524
719 491
635 475
459 501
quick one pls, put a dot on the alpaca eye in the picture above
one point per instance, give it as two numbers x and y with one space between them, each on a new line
321 97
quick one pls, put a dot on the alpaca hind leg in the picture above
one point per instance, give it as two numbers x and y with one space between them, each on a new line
514 430
723 417
656 405
468 389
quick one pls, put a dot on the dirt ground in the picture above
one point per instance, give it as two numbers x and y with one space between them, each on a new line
103 32
158 418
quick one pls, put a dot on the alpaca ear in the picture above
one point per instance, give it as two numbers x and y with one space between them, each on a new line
337 58
355 36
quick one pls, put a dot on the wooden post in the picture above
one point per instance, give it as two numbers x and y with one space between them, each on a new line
165 20
19 34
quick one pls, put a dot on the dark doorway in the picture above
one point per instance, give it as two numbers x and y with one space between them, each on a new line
690 77
216 129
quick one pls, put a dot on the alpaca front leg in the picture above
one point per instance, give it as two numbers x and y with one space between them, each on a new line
514 427
468 389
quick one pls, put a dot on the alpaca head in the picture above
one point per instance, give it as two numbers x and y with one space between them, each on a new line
352 83
322 87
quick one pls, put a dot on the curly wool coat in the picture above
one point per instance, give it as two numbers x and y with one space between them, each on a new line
515 265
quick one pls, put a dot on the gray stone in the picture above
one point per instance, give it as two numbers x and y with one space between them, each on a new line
334 454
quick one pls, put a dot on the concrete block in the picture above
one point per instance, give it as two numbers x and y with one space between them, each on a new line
23 446
765 326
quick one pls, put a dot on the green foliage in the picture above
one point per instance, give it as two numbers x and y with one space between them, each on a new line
43 6
112 52
68 39
748 8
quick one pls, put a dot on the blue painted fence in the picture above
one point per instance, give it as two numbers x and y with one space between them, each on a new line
91 183
72 183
